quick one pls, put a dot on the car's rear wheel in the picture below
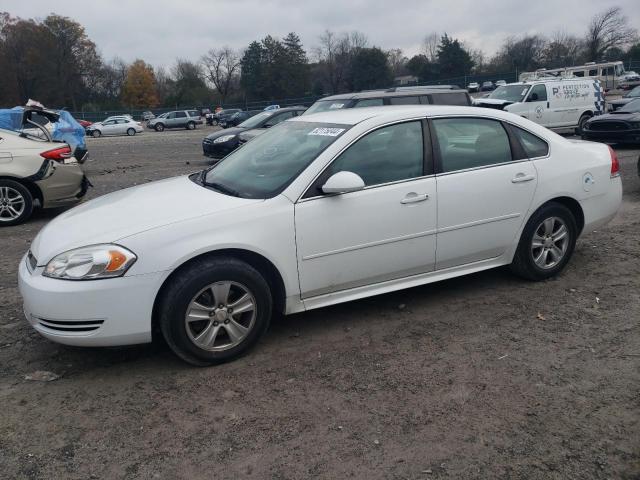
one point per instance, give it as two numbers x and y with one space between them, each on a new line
96 133
159 127
215 310
131 132
547 243
16 203
191 125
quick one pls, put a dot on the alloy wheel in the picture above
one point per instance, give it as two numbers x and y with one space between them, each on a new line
12 204
550 242
220 316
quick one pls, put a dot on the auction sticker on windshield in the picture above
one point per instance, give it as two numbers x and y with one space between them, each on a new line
326 132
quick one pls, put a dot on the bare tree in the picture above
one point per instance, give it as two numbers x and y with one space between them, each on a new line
397 62
430 47
222 66
561 50
608 29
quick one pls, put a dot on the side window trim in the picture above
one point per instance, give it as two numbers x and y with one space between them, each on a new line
309 192
437 156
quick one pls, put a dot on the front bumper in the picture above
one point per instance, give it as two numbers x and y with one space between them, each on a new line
618 136
93 313
218 150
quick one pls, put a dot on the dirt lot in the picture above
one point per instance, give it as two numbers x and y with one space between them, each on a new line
485 376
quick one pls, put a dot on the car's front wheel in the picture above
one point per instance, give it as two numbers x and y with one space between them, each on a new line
547 243
214 310
96 133
159 127
16 203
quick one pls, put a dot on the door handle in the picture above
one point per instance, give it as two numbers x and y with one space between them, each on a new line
521 177
413 197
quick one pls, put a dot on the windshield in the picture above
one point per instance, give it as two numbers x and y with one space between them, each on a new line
325 105
631 107
511 93
164 115
263 167
254 121
634 93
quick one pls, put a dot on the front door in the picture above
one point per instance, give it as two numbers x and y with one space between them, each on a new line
383 232
538 110
483 193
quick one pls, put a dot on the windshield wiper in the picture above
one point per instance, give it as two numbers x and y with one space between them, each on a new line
221 188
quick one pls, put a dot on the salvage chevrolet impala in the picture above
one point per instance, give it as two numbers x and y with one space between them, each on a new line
321 209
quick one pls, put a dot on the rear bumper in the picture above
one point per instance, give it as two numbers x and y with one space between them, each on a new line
66 186
600 210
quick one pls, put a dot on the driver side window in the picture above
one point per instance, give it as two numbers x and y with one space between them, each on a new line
538 94
388 154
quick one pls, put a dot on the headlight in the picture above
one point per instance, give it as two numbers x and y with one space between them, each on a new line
224 138
89 263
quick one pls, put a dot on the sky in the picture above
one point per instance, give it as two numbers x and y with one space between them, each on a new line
159 31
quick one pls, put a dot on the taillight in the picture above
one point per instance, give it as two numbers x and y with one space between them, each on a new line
615 165
59 154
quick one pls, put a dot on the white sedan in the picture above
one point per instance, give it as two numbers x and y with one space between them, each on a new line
319 210
115 126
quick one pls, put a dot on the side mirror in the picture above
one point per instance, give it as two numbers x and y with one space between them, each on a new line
343 182
533 97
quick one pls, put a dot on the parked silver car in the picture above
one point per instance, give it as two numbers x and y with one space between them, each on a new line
115 126
178 119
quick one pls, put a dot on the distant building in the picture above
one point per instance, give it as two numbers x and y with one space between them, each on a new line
405 80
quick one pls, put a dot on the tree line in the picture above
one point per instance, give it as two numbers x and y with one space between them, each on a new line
55 62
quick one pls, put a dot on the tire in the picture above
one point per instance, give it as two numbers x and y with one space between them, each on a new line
524 261
583 119
131 132
16 203
159 127
96 134
192 285
191 125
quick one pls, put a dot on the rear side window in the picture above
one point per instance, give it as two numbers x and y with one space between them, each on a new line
181 114
193 113
388 154
457 98
533 146
369 102
471 143
404 100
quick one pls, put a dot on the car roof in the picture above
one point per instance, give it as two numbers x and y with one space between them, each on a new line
410 92
352 116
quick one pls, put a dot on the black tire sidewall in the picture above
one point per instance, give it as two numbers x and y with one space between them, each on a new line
131 130
191 126
96 133
583 119
28 202
159 127
524 248
192 280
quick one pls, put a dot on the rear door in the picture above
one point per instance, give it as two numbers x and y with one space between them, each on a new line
181 119
485 187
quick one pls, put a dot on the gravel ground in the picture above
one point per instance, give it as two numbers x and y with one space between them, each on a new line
485 376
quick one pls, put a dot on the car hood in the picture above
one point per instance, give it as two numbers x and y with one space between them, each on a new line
226 131
117 215
249 134
628 117
622 101
492 101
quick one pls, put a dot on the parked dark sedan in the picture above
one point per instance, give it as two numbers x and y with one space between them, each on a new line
487 87
237 118
619 126
223 142
628 97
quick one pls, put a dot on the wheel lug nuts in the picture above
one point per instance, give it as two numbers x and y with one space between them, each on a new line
226 321
215 324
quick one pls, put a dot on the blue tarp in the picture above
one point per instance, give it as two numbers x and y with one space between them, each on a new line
66 129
